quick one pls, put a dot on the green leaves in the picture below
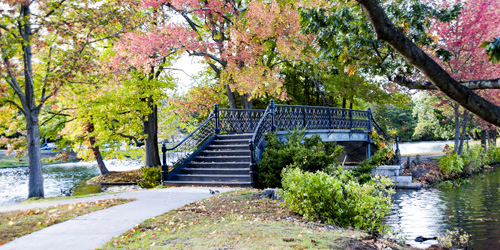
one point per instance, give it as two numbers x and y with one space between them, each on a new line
336 199
492 48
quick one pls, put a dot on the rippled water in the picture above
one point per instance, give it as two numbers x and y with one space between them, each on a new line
474 207
57 177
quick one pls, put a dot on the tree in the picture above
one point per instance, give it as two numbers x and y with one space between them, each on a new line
242 42
386 31
43 48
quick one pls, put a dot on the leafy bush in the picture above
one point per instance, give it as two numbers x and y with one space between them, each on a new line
364 171
338 198
151 177
309 154
451 164
493 155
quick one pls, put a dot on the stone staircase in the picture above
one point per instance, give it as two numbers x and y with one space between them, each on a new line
399 181
225 162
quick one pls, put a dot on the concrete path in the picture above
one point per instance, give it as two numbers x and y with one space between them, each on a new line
93 230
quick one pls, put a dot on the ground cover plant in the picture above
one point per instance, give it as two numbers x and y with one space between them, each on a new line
15 224
239 220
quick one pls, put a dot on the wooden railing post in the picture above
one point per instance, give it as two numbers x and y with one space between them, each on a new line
216 113
273 122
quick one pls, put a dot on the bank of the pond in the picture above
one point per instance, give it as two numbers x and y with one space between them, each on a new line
473 206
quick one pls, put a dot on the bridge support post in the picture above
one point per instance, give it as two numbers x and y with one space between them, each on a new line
216 113
164 167
369 136
273 122
253 164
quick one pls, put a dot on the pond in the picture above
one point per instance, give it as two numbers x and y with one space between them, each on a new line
58 178
474 207
422 147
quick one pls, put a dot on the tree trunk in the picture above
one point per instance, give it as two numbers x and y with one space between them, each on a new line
483 140
95 149
231 98
35 188
464 130
457 126
246 102
150 126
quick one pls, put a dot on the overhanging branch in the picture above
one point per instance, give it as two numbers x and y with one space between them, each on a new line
473 85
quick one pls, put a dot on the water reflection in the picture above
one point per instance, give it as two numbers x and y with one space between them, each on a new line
57 177
422 147
474 207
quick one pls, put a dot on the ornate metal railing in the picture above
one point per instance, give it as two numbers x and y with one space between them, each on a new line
292 117
175 153
239 120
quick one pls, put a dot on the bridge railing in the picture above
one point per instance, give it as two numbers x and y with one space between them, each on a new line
239 120
176 153
289 117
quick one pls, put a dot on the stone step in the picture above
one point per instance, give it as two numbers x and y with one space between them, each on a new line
231 142
238 147
219 164
234 136
208 183
226 153
222 159
219 171
387 170
211 177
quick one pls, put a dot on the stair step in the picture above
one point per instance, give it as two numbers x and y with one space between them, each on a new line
208 183
219 164
234 136
211 177
222 159
221 171
231 142
226 153
237 147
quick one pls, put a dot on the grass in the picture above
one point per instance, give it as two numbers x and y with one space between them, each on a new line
57 198
238 220
15 224
8 161
132 176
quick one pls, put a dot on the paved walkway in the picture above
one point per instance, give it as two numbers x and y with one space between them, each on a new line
92 230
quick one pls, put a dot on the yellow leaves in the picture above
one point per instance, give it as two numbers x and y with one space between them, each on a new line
350 69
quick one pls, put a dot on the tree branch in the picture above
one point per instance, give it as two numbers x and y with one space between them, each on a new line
473 85
386 31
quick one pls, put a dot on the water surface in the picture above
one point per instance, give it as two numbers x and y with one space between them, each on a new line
474 207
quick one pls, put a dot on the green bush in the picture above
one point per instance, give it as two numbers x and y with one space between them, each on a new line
151 177
364 171
493 155
337 199
451 164
309 154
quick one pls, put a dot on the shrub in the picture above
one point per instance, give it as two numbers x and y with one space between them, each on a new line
364 171
451 164
338 198
151 177
308 154
493 155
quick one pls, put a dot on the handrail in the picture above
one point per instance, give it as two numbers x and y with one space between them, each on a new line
190 143
192 133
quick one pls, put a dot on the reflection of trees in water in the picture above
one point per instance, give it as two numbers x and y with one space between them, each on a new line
475 207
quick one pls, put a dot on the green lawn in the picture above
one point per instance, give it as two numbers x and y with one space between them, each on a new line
11 161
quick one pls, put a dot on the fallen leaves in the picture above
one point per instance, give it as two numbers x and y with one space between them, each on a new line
17 223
